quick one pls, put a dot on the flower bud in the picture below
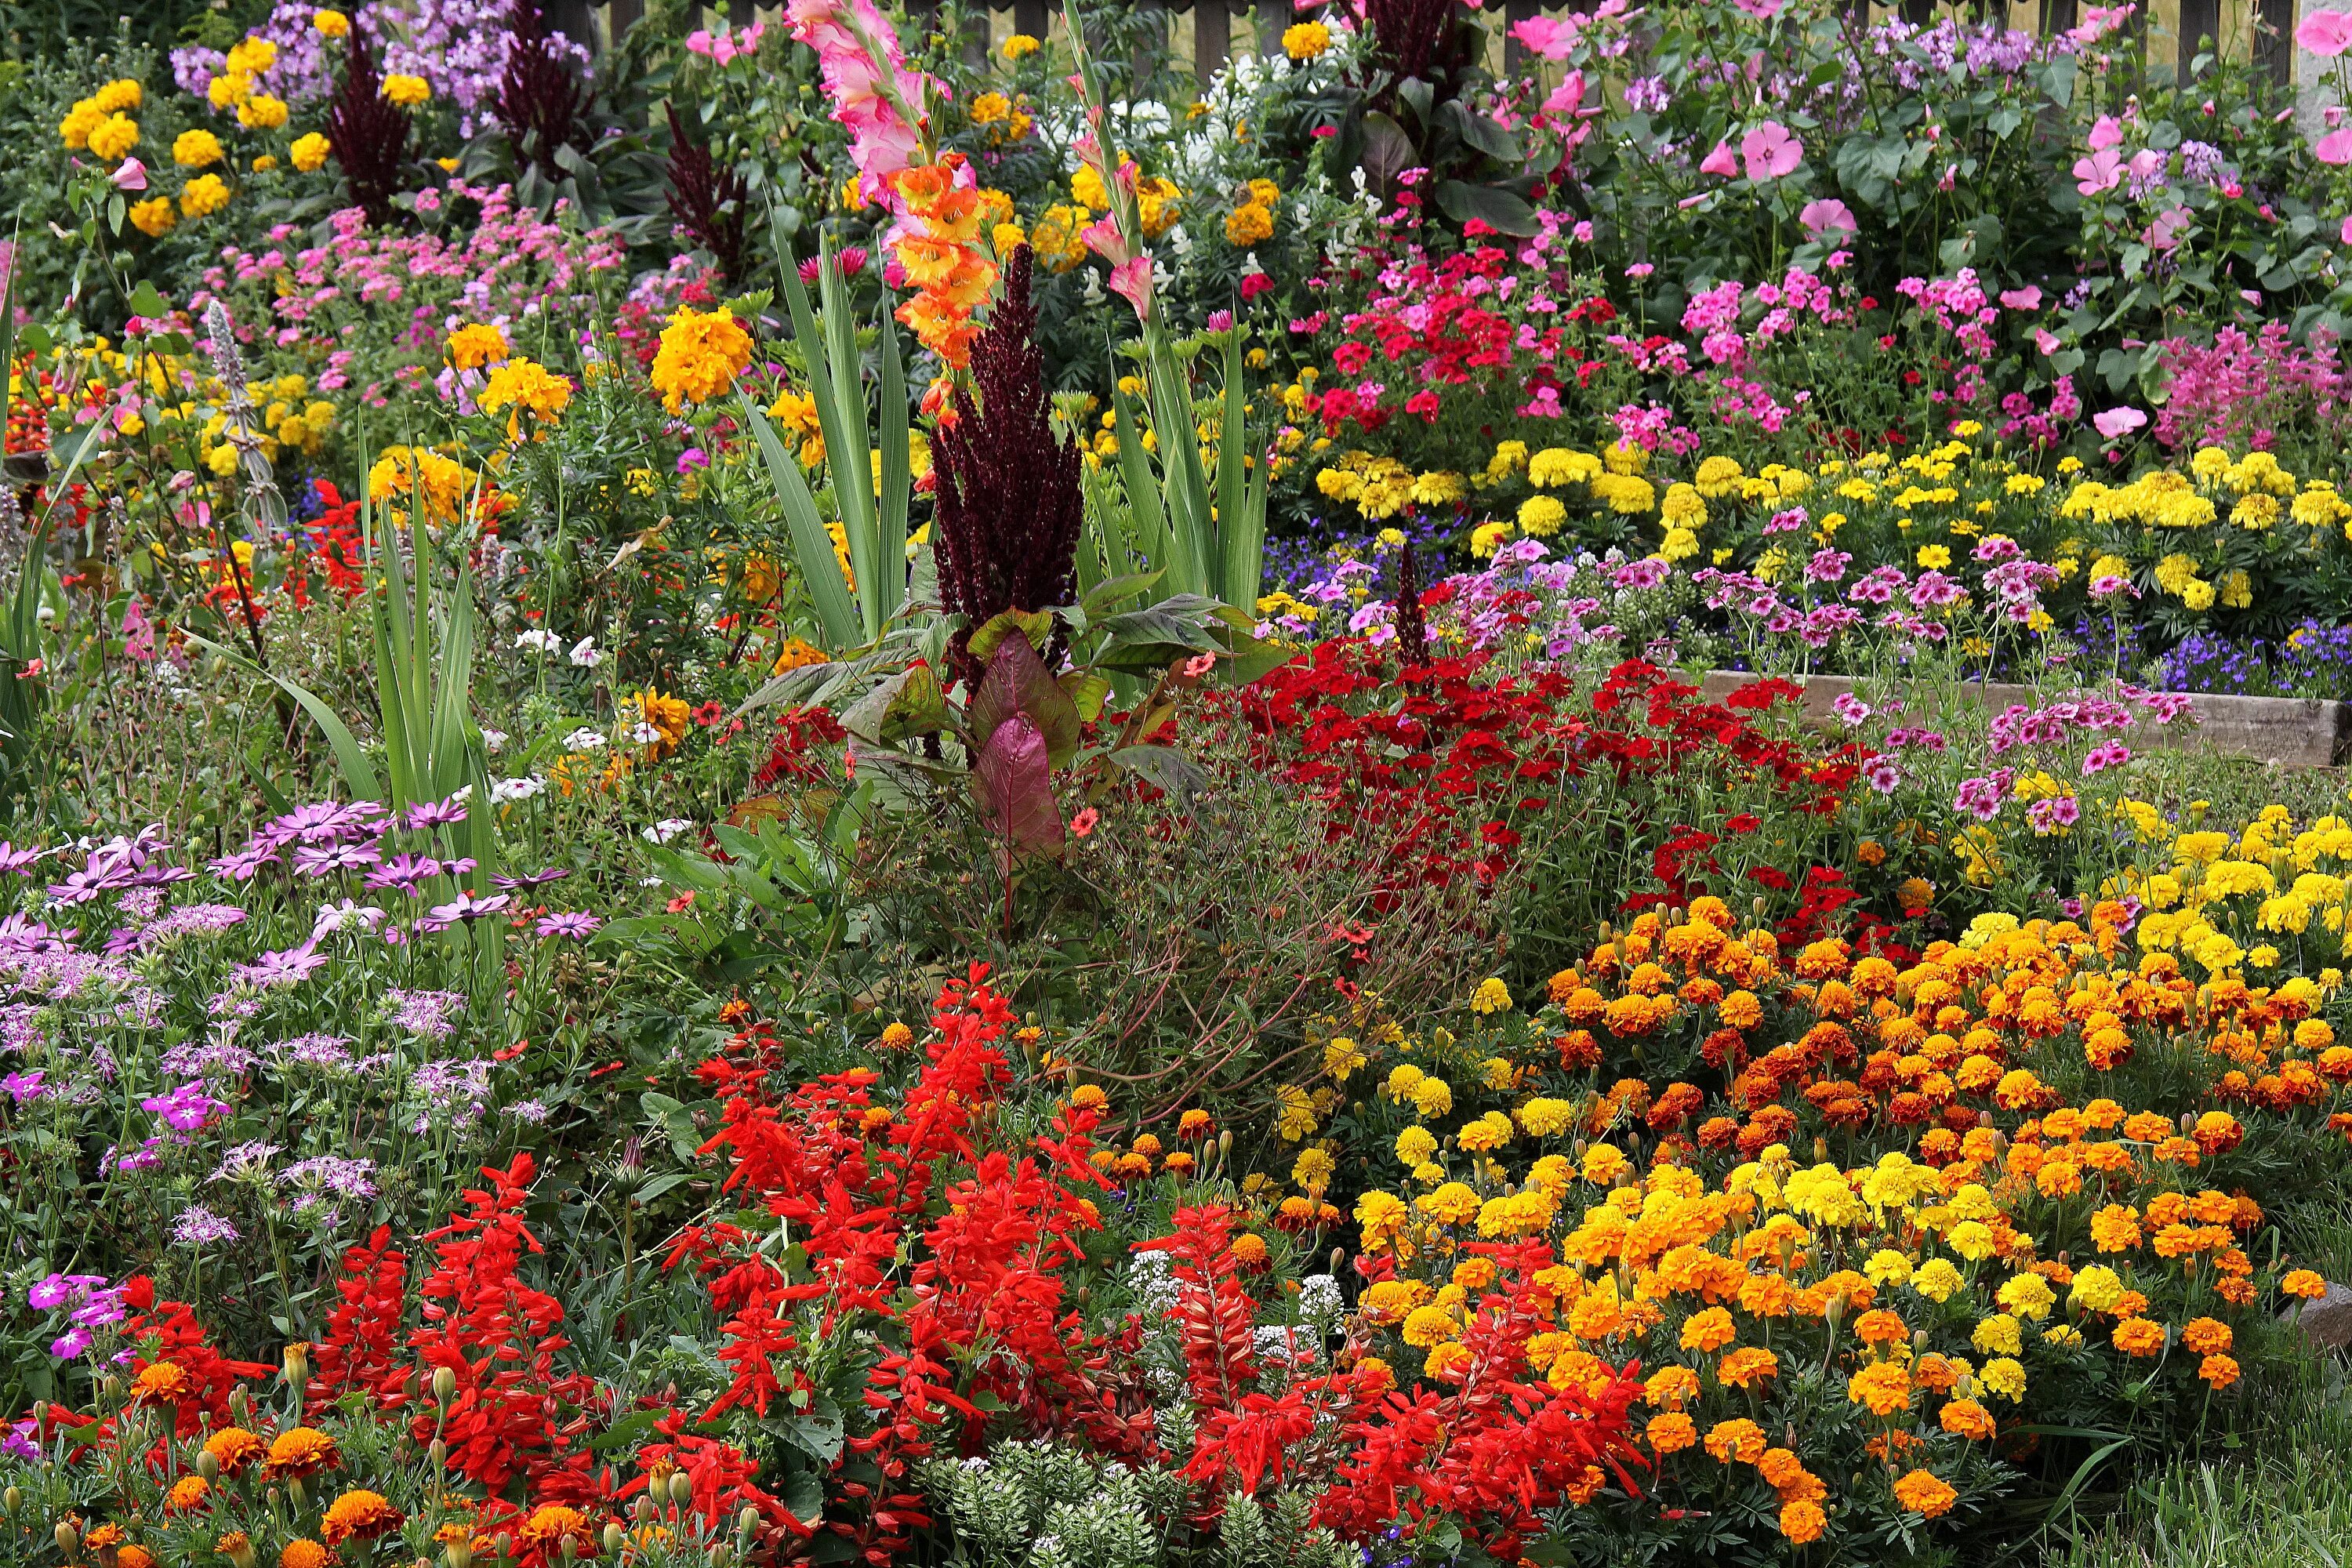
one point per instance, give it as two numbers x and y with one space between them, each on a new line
444 1385
614 1538
10 1500
297 1493
747 1522
438 1452
207 1466
681 1490
459 1552
504 1542
298 1365
68 1539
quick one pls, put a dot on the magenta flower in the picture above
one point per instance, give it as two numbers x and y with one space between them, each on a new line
1827 216
1720 162
2326 33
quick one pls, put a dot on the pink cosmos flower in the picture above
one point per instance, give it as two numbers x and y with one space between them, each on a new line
1770 151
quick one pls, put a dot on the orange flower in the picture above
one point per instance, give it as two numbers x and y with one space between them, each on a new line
551 1524
133 1556
1879 1327
1803 1522
161 1381
1250 1250
2305 1283
2206 1336
300 1451
1747 1366
187 1492
1738 1438
234 1449
1921 1493
2139 1337
300 1553
358 1516
1709 1331
1671 1433
2218 1370
1883 1387
1967 1418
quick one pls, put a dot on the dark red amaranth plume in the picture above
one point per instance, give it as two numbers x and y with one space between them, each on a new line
1415 38
1411 628
707 201
543 101
1009 508
367 131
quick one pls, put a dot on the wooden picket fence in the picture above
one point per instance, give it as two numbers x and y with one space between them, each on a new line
2261 30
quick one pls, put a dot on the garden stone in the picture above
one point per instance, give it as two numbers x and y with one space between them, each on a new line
2327 1322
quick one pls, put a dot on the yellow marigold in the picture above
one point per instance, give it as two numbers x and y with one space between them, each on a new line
309 152
407 90
195 149
1426 1326
358 1516
1305 40
1492 996
1415 1143
2097 1288
1541 516
701 353
1019 46
330 24
1452 1203
476 345
1921 1493
2005 1376
113 137
300 1451
262 113
203 195
1247 224
1448 1361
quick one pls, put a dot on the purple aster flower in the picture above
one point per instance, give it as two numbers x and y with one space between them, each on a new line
425 1012
577 924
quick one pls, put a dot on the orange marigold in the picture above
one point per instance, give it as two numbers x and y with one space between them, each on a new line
1745 1365
1967 1418
1803 1522
358 1516
551 1524
300 1451
161 1381
234 1449
2139 1337
2305 1283
2218 1370
1738 1438
1709 1331
187 1494
1883 1387
2206 1336
1671 1433
1921 1493
302 1553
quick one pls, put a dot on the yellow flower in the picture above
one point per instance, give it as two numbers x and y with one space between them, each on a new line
476 345
1313 1170
406 91
118 95
1492 996
2004 1377
701 353
1248 224
1019 46
154 216
520 385
262 113
113 137
1540 516
203 195
309 152
1432 1097
330 24
1306 40
195 149
1415 1143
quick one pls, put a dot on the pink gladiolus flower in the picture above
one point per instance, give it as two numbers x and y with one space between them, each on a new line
1722 160
1828 217
2326 33
1131 280
2026 299
1102 237
1770 152
2116 423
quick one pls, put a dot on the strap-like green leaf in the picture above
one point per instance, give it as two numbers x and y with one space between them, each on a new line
828 590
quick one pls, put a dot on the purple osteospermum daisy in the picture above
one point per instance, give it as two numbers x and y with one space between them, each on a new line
470 907
405 872
246 864
530 879
322 861
577 924
18 862
434 814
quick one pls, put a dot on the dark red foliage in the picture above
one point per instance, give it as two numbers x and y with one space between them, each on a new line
1009 508
367 131
709 201
542 100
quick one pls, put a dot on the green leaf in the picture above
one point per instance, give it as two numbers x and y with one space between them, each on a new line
909 703
1086 692
1169 769
351 758
828 590
1036 626
1499 209
145 301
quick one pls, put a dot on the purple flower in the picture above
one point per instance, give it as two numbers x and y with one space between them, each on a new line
326 1174
436 813
530 879
187 1108
1850 709
70 1343
323 860
408 873
425 1012
59 1289
21 1087
16 861
1884 775
2054 815
272 970
1980 798
578 924
1828 566
246 864
469 907
199 1226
